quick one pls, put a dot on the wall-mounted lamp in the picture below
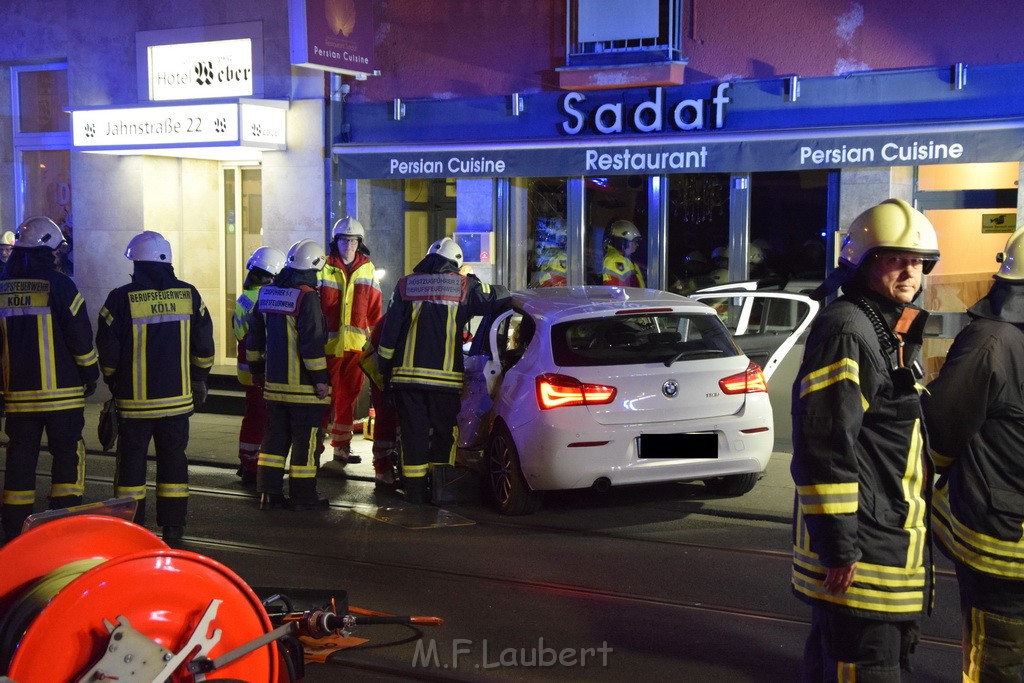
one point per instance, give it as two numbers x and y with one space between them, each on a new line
397 109
518 106
959 76
792 88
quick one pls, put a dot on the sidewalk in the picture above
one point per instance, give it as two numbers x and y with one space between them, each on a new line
213 440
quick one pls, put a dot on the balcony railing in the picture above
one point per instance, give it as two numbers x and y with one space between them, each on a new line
611 32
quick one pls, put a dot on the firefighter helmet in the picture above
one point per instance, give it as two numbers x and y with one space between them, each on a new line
624 230
306 255
268 259
38 231
1012 258
149 246
7 240
893 225
447 248
348 227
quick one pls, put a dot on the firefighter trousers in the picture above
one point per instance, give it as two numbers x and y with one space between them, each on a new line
67 472
842 647
293 428
250 435
346 383
170 439
426 420
992 613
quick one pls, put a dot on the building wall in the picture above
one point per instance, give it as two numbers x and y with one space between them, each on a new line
427 50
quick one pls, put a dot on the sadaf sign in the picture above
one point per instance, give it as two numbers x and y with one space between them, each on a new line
333 35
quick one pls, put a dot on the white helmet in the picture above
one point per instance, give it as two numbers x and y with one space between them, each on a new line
149 246
893 225
7 239
348 227
755 255
268 259
623 229
306 255
448 248
38 231
1012 258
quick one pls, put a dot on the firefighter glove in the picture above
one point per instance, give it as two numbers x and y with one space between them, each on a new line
198 393
90 389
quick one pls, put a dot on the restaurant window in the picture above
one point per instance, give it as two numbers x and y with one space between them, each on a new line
615 243
546 232
42 144
787 226
697 253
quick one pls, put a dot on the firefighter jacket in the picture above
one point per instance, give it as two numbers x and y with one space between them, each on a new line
421 340
619 270
351 301
45 336
974 411
154 337
859 461
244 308
286 339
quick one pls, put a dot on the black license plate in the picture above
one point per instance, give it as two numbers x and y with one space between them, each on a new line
689 446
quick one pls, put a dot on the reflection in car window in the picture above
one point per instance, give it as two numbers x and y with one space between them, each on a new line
647 338
514 335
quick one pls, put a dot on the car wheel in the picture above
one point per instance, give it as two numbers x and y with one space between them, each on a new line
732 485
509 490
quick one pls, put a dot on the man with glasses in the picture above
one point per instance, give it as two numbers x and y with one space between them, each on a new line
860 547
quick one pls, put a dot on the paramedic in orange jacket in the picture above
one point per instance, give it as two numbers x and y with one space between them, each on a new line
351 301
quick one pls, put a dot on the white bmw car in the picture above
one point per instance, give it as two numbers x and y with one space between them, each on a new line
578 387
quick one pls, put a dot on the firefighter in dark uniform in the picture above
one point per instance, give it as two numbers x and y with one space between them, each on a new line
421 355
155 341
286 345
860 548
50 367
974 411
264 264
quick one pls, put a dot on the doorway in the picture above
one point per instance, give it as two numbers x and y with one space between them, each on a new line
242 228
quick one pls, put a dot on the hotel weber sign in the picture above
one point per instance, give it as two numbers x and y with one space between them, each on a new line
202 70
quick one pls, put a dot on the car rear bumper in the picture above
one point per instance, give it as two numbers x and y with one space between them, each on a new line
556 455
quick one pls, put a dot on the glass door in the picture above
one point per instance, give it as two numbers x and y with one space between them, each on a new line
242 227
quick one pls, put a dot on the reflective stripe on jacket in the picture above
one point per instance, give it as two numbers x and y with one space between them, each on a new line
421 340
286 344
620 271
975 415
351 301
47 345
861 473
153 342
240 326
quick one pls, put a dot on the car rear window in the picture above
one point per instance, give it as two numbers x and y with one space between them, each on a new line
642 338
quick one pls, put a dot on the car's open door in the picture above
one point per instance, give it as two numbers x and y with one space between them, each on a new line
770 327
481 379
766 325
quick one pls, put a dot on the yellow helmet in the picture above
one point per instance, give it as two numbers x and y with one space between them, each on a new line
893 225
1012 258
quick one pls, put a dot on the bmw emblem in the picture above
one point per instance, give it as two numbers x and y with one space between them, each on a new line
670 388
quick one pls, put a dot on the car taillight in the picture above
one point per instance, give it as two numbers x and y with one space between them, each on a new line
750 381
556 391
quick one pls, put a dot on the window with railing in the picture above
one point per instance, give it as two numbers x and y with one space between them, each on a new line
613 32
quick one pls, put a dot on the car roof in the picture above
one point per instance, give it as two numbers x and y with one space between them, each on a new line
555 303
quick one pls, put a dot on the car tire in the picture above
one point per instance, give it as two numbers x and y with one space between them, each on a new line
733 484
507 487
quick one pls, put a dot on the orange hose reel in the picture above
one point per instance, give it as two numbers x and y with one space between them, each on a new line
94 598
